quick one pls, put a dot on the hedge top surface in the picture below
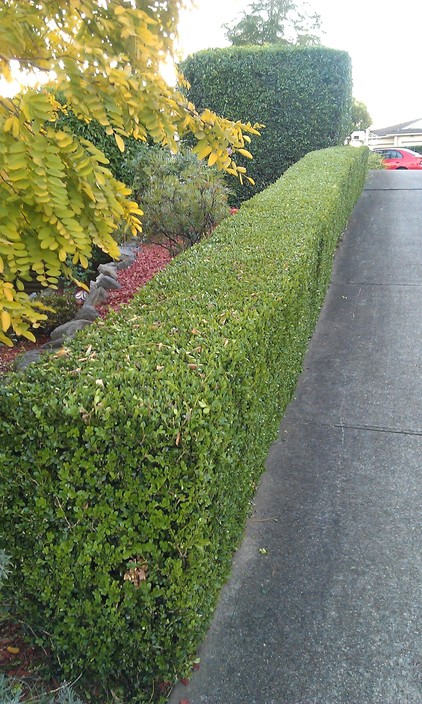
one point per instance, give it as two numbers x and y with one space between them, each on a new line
244 254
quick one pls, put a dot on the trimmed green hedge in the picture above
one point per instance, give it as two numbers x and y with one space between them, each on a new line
128 463
415 148
303 96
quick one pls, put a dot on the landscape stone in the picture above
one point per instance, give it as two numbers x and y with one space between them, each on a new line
127 254
53 344
87 312
69 329
125 262
107 282
108 270
96 297
26 359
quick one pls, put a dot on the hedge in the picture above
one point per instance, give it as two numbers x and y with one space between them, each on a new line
303 96
414 148
129 459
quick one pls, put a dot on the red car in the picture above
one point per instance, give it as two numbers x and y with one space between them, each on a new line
400 158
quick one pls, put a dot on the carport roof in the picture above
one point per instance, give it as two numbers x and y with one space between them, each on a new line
412 127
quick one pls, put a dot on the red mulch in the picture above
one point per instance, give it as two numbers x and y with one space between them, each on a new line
150 259
8 354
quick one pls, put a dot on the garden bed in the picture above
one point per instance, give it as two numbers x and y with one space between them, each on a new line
150 259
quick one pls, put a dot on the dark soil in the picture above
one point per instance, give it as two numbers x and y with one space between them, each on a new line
28 664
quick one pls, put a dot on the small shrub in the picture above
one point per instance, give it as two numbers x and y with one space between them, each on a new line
184 200
64 307
136 168
12 691
375 161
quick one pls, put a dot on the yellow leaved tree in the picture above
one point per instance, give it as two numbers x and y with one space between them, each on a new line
57 197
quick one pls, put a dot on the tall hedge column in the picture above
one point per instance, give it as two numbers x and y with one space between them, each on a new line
303 96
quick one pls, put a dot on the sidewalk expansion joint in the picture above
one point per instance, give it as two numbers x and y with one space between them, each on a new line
368 189
374 283
370 428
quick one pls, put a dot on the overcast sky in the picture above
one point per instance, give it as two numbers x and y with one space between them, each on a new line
385 47
384 42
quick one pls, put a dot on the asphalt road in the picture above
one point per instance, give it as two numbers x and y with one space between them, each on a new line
324 602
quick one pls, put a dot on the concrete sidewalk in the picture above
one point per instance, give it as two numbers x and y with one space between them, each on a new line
324 602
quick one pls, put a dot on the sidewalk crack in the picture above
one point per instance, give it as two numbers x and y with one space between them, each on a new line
373 428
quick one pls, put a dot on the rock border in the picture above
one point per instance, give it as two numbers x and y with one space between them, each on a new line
106 281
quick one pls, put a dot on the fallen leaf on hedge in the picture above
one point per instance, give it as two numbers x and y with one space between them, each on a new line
137 571
12 650
62 352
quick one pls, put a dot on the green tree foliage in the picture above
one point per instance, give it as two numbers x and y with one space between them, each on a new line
302 95
361 118
97 135
275 22
57 195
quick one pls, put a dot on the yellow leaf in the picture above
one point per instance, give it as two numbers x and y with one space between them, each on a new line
120 143
14 126
64 139
5 320
212 159
8 124
202 150
88 190
29 335
5 340
245 152
99 177
8 293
